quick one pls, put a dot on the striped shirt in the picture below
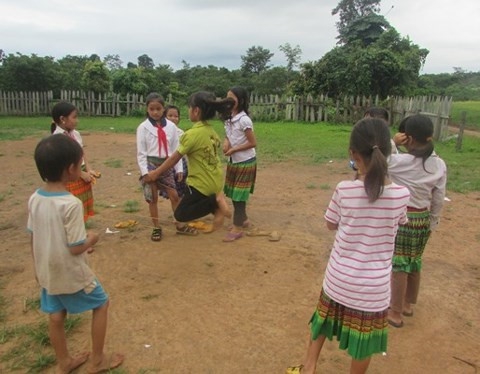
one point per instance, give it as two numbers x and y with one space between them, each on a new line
358 271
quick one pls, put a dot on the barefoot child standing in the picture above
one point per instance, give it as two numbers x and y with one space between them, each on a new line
59 246
365 213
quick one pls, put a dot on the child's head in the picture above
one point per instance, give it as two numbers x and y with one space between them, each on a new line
172 113
55 154
375 112
370 145
240 95
64 115
419 131
155 106
203 106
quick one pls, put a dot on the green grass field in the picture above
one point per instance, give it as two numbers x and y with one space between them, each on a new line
279 141
472 109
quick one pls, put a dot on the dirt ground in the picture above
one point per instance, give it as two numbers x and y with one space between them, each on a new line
198 305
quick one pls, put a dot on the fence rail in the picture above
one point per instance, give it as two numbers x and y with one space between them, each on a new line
262 107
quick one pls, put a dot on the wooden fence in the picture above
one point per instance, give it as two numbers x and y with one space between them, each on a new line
262 107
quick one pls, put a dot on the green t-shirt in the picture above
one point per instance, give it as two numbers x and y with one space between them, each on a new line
201 144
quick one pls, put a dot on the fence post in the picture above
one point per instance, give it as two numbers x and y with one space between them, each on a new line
463 121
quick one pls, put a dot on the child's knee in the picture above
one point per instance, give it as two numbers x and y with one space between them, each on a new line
57 318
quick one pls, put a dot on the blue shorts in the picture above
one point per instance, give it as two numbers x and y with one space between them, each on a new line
91 297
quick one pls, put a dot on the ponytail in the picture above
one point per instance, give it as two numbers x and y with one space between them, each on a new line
370 139
377 169
53 126
209 105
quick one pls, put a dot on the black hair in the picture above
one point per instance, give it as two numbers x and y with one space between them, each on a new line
209 105
54 154
376 112
61 109
168 107
243 98
153 96
370 139
420 128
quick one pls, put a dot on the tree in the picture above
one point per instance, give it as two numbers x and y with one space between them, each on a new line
29 73
351 10
145 62
256 60
292 54
71 71
112 62
95 77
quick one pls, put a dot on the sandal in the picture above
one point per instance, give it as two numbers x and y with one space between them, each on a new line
294 369
156 234
232 236
187 230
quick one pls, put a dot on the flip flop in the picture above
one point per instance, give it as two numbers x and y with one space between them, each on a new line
232 236
256 232
294 369
395 324
408 314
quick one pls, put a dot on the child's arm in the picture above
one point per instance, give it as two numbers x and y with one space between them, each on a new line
33 256
167 164
226 145
250 143
92 238
332 226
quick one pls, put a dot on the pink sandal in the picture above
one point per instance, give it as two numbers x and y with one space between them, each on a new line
232 236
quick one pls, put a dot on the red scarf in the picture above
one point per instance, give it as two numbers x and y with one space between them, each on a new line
162 137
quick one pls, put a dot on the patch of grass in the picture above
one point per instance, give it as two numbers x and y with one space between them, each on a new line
472 108
31 304
325 186
311 186
31 351
113 163
131 206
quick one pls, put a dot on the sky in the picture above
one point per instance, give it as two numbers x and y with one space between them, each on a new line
219 32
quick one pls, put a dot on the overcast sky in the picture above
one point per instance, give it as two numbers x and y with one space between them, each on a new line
218 32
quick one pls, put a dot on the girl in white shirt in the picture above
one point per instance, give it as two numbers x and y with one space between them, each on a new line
239 147
157 139
425 175
366 213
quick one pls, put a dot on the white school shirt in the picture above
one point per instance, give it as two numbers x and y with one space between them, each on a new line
359 268
147 144
426 185
235 131
55 220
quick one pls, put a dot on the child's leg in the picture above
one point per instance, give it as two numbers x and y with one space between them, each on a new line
58 339
399 289
413 286
152 206
239 214
174 198
360 366
222 205
313 351
100 361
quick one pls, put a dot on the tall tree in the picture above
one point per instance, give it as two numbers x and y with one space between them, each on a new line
350 10
113 62
145 61
293 55
256 60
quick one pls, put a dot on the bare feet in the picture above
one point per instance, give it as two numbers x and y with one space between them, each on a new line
108 361
223 206
72 363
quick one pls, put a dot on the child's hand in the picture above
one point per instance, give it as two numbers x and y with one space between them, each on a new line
400 138
92 238
86 176
179 177
148 178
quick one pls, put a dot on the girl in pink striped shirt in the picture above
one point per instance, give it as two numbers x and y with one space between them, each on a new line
366 213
